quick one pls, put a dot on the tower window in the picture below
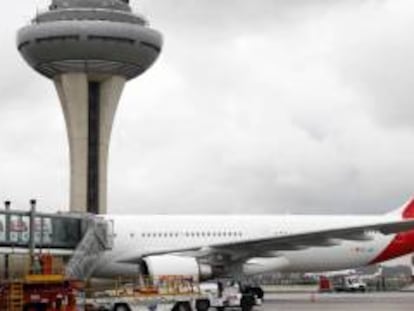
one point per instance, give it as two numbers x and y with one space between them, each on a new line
113 39
55 38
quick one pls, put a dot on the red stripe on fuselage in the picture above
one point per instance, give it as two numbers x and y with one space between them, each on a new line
403 243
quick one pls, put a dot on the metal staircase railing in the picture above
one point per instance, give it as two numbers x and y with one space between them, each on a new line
95 241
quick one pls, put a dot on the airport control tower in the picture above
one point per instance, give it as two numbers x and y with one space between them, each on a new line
89 48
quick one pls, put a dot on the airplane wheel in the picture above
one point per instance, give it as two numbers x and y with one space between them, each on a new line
257 291
247 302
121 307
182 306
202 305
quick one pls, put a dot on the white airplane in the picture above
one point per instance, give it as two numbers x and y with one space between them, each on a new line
207 247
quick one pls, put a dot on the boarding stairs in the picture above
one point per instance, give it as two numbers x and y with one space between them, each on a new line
96 240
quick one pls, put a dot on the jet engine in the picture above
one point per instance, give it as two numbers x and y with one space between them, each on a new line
155 266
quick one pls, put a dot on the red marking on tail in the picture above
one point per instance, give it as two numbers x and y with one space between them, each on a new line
403 243
409 210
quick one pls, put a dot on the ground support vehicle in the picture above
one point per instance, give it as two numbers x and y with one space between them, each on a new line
171 293
154 302
351 283
169 303
178 293
229 295
40 293
44 287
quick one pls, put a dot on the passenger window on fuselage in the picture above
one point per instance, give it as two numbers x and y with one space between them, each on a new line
193 234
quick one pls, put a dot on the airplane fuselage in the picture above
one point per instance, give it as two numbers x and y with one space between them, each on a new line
138 236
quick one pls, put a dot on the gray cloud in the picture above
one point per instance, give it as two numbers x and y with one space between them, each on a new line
378 62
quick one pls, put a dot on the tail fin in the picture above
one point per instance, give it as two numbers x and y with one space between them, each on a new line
406 211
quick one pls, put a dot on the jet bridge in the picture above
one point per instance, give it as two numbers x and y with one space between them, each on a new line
83 236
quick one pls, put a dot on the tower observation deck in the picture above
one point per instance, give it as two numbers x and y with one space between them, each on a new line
89 48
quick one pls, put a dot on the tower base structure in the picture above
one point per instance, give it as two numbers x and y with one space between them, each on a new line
89 105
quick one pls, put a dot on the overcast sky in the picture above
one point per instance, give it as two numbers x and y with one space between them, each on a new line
270 106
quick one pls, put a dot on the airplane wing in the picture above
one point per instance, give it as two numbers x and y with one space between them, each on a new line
318 238
269 246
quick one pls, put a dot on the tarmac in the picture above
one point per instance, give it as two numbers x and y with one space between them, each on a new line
395 301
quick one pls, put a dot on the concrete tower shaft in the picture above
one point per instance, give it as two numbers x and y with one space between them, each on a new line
89 48
89 108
